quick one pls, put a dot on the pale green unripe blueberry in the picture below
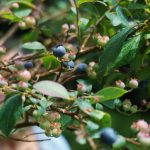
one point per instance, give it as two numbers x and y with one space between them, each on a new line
133 109
30 21
133 83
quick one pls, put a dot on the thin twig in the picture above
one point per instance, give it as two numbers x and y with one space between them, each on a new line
77 21
12 30
133 141
23 140
92 143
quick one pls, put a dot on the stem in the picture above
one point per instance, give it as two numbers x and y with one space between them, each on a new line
133 141
12 30
77 21
23 140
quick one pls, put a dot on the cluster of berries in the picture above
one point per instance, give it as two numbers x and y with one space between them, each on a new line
142 128
126 106
28 22
101 40
66 28
61 52
49 122
133 83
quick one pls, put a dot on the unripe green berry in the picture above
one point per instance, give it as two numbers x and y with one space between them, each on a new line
81 88
22 25
126 107
56 132
36 114
133 83
134 109
117 102
30 21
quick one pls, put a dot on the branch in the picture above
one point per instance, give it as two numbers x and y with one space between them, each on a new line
12 30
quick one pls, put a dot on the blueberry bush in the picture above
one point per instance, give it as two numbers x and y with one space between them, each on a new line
77 67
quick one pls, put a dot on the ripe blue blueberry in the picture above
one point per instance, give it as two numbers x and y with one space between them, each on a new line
69 64
108 136
28 65
81 68
59 51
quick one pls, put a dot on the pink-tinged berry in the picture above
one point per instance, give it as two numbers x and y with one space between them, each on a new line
54 116
24 75
72 55
55 125
19 64
133 83
2 97
120 84
72 27
144 138
103 40
65 28
30 21
23 85
81 87
3 81
140 125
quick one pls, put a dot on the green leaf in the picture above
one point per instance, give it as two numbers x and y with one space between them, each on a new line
22 12
138 6
128 51
91 126
85 1
85 106
50 62
65 121
110 93
9 113
33 46
10 16
115 20
104 119
52 89
23 2
112 50
121 16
